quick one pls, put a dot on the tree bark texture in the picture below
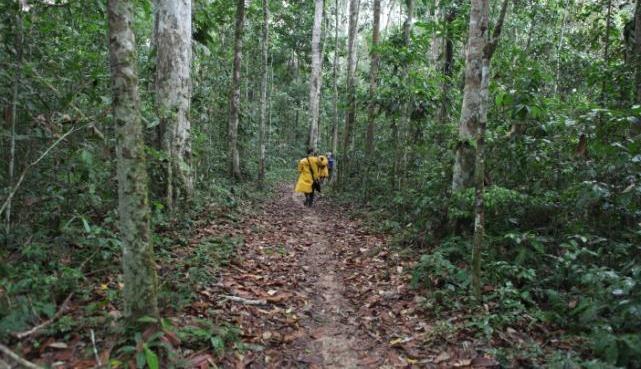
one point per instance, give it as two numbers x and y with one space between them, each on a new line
19 41
173 90
448 62
406 111
373 80
234 96
606 50
479 168
437 41
263 94
559 48
350 116
315 77
637 49
140 291
471 117
335 100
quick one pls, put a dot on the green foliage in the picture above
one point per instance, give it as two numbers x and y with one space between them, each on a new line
204 334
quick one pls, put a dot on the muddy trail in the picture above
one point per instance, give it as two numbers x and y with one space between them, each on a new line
311 288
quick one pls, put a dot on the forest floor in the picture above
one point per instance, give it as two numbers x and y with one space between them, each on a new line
306 288
312 288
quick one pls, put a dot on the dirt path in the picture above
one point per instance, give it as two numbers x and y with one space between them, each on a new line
312 289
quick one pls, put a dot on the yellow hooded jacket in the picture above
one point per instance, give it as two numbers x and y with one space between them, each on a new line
322 166
304 183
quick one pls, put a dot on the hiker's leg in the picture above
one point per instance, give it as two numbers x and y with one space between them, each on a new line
311 199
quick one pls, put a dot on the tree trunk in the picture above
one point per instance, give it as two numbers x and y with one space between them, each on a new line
404 124
335 100
140 290
173 87
234 96
350 116
263 95
559 49
606 50
19 41
463 176
637 49
437 41
373 78
315 78
480 51
448 61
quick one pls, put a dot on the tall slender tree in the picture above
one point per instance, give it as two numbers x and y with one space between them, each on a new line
140 290
315 77
403 128
172 32
263 94
463 171
447 66
19 41
480 49
334 133
373 79
637 49
234 95
350 114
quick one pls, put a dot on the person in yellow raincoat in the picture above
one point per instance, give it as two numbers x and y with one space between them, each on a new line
322 168
307 173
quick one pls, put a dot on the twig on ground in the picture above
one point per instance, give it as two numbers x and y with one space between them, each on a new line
61 310
15 357
244 300
95 350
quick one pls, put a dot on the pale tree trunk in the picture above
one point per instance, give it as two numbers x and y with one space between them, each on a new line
480 10
141 284
19 41
463 172
606 50
350 114
173 88
263 94
437 41
637 49
389 13
559 48
335 99
315 78
404 125
373 79
234 96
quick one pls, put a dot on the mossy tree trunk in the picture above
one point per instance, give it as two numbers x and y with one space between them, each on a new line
263 94
140 291
637 49
234 96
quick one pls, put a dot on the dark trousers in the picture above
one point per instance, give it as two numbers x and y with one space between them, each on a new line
309 199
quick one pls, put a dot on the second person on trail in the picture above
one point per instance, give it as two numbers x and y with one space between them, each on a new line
323 171
308 177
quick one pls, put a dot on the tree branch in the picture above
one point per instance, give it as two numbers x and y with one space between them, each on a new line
61 310
15 357
490 48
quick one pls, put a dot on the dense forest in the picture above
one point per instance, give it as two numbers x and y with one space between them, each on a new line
483 208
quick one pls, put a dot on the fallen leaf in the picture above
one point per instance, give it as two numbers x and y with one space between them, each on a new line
443 356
